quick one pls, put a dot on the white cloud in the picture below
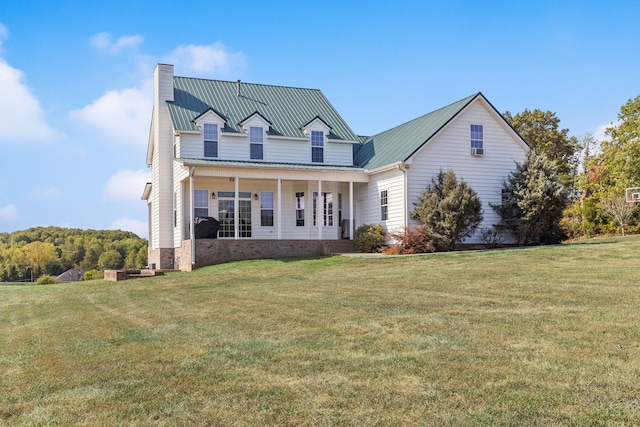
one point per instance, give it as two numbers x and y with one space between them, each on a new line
44 193
22 116
133 225
599 133
121 115
105 42
214 59
8 213
126 185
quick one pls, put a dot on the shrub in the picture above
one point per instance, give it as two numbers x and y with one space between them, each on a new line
415 240
369 237
46 279
450 208
92 275
492 237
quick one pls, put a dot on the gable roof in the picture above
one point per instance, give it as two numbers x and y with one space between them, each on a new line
288 109
400 143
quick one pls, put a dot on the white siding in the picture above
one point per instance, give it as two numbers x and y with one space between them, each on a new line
276 150
393 182
161 197
450 149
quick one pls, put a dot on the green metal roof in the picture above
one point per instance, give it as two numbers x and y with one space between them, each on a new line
400 143
288 109
266 165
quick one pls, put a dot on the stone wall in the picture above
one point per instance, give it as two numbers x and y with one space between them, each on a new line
217 251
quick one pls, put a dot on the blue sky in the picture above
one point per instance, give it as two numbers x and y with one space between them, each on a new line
76 96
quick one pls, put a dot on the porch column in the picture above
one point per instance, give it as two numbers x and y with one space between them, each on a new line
192 227
279 217
318 210
352 214
236 210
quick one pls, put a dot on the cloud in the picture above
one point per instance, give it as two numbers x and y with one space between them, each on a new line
8 213
127 224
599 133
105 42
121 115
126 185
22 116
44 193
214 59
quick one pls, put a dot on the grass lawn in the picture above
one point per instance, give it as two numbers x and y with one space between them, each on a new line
536 336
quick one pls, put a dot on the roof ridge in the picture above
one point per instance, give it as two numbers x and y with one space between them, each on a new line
246 83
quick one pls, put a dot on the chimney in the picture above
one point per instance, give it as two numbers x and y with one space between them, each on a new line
239 93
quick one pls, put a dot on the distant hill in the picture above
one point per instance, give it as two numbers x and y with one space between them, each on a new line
54 250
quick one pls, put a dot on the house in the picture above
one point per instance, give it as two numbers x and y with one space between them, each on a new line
284 174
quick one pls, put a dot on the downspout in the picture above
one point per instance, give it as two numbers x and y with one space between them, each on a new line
192 226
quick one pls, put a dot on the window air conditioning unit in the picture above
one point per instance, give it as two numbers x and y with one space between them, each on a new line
477 152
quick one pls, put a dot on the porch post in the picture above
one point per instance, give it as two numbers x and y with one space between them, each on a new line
192 227
318 210
352 214
279 217
236 210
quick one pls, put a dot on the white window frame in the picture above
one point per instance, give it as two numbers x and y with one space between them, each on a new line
384 205
210 134
476 133
267 204
317 145
256 138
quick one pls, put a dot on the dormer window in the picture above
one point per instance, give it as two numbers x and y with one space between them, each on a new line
256 145
210 134
317 146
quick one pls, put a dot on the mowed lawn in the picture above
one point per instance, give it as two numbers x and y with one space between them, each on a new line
535 336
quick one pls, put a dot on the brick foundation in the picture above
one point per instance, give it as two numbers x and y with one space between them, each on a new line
217 251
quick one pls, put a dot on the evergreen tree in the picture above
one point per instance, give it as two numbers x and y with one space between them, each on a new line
449 208
533 199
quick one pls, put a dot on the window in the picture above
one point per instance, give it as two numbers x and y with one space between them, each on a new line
175 209
200 203
477 148
256 146
327 209
317 146
384 205
299 209
210 132
266 208
226 214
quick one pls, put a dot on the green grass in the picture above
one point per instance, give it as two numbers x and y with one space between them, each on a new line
536 336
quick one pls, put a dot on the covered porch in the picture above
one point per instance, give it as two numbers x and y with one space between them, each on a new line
263 202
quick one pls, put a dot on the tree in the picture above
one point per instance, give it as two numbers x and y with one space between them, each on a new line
38 255
619 209
533 199
450 208
541 130
110 260
621 153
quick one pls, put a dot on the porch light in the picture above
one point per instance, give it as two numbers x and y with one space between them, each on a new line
213 195
255 196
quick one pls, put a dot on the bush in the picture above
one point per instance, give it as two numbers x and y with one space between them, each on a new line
492 237
415 240
92 275
369 237
46 279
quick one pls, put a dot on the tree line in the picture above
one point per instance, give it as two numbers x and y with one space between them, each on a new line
567 187
31 253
